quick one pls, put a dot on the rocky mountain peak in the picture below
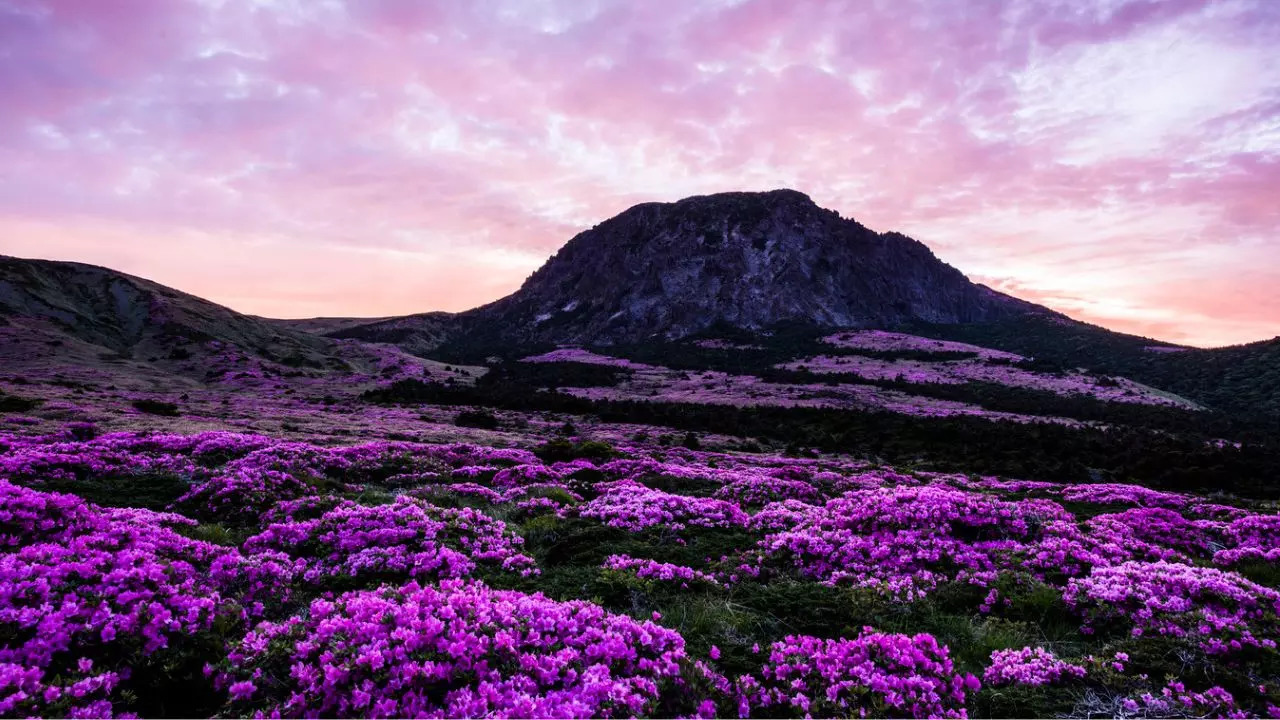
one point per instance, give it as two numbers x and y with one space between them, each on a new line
751 260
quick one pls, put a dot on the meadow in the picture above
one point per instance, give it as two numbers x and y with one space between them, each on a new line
242 574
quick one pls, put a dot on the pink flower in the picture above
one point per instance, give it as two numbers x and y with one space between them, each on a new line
242 690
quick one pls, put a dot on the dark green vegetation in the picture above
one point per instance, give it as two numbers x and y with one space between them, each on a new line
560 374
476 419
156 407
1185 461
1244 379
13 403
1006 398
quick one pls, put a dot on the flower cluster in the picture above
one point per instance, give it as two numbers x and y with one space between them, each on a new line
1028 666
28 517
762 490
659 571
635 507
457 650
1122 494
1253 537
1175 700
783 515
1156 534
906 675
243 495
1221 609
409 538
93 596
905 540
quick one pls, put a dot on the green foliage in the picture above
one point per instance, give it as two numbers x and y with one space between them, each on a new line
13 403
153 491
156 407
482 419
564 450
1259 571
1243 379
1187 462
554 375
216 533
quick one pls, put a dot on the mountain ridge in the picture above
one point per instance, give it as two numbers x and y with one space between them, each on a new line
759 264
747 259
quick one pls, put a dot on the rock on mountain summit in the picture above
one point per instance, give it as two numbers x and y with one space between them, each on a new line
751 260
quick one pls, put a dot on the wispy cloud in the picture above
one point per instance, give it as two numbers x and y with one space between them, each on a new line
1118 159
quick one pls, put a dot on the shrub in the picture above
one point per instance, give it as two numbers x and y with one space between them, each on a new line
482 419
156 407
459 650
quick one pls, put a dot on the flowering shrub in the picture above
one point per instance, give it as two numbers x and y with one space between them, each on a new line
659 571
634 507
98 606
406 539
109 600
1255 537
106 456
304 508
439 493
1028 666
28 516
241 497
1118 493
536 506
764 490
1175 701
459 650
524 475
1221 610
1260 530
890 675
782 515
145 596
964 514
904 541
1156 534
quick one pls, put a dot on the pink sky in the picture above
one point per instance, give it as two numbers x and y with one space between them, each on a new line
1116 160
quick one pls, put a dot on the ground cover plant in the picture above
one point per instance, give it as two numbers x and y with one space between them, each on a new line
575 577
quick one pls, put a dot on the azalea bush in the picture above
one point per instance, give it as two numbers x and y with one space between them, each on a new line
353 545
456 650
888 675
401 578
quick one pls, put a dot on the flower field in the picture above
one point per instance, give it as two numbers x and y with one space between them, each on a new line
251 575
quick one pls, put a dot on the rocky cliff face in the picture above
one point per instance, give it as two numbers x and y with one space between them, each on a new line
748 260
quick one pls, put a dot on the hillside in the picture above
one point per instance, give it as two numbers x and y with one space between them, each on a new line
135 317
70 322
1238 379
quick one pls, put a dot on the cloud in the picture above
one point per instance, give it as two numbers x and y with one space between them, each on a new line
1056 143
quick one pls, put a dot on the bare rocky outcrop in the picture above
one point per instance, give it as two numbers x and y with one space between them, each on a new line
742 259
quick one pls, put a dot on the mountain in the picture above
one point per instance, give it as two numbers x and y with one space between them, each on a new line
133 317
768 270
417 334
71 320
743 259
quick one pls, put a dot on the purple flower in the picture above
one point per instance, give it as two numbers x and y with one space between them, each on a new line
242 690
